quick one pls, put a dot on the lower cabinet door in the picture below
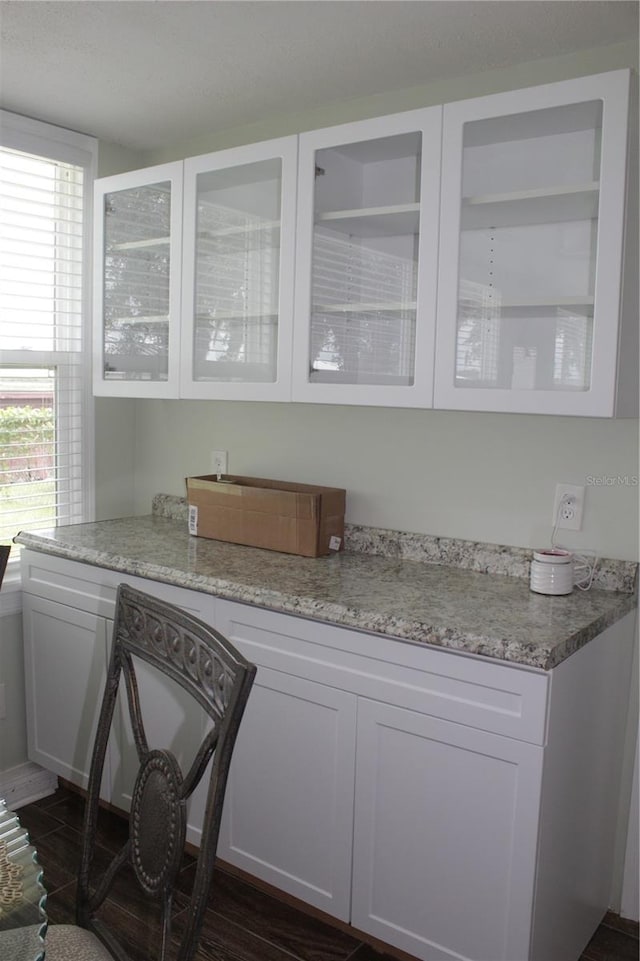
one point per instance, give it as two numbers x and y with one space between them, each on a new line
65 670
288 812
445 836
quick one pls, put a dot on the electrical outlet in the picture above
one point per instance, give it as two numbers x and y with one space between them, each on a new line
218 462
568 507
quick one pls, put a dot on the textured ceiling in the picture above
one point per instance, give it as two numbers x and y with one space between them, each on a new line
154 72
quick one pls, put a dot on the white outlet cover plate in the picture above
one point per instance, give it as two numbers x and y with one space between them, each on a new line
219 462
577 492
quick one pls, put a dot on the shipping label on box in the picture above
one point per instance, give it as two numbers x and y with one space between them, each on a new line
277 515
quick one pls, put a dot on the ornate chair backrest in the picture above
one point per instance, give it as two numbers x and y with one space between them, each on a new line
208 667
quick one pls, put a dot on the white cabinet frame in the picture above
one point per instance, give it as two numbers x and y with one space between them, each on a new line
171 172
420 393
600 400
286 149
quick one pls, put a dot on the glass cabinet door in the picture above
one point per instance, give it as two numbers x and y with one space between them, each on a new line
367 227
520 316
238 276
138 223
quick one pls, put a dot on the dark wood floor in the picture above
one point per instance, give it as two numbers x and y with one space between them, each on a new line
243 923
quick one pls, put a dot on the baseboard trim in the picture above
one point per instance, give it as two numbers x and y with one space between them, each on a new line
26 783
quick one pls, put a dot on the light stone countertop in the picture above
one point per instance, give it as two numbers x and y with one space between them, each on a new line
493 615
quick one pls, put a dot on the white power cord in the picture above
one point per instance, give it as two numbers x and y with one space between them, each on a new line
585 563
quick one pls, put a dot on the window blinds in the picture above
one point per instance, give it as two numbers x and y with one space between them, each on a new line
41 342
136 288
363 322
238 264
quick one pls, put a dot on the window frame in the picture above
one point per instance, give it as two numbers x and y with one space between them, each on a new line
56 143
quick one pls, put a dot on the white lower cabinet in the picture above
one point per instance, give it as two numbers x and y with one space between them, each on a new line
366 792
452 806
63 703
288 814
67 647
444 868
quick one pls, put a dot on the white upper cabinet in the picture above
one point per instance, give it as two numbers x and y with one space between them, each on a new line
237 303
530 312
477 256
137 263
366 261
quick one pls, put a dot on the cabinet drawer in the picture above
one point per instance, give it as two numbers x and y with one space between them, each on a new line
456 687
93 589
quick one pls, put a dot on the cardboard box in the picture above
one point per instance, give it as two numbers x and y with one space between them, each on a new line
277 515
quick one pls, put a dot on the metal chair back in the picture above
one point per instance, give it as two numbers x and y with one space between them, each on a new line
5 550
206 665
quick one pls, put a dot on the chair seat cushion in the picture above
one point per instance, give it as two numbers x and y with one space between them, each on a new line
66 942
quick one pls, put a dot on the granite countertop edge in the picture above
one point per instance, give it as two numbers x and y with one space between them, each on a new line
409 627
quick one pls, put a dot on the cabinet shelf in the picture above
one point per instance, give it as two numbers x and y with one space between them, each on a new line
542 302
136 375
265 317
322 375
373 221
139 244
238 229
161 319
213 372
545 205
565 302
363 308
